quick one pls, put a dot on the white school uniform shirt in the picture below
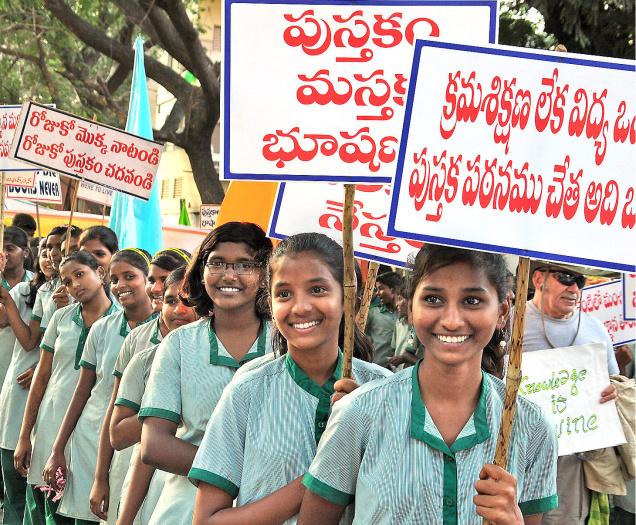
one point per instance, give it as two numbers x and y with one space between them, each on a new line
65 338
7 337
190 371
130 393
13 397
48 304
382 446
43 298
100 352
265 428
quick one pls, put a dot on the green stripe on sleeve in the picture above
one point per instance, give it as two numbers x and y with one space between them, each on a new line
539 506
325 491
117 373
47 348
35 318
89 366
160 413
122 401
198 474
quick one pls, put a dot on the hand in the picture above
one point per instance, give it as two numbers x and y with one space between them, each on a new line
343 387
22 456
56 460
98 500
5 296
496 499
397 360
61 297
24 379
608 393
3 261
623 357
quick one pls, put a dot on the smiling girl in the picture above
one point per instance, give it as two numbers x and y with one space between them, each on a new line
56 376
194 363
128 271
417 447
264 431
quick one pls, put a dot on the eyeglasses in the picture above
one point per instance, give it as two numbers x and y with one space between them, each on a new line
241 268
567 278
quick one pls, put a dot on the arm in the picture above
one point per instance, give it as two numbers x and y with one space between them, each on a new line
213 506
57 460
22 454
27 335
162 449
132 500
319 511
125 427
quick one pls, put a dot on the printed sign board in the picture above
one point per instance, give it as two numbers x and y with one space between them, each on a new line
605 302
47 188
92 192
9 117
629 296
208 215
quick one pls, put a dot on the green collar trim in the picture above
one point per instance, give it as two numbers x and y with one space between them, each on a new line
155 340
124 329
418 417
322 393
79 321
222 360
25 277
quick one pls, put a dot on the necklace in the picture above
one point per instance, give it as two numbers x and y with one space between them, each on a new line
545 333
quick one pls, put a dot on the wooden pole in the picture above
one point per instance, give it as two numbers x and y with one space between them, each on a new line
37 219
513 375
103 214
369 285
67 246
2 201
349 280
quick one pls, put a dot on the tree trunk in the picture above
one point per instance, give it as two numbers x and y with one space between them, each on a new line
205 176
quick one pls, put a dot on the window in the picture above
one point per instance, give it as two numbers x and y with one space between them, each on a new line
177 190
165 189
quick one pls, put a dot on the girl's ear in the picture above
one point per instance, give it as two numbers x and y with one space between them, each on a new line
504 313
101 273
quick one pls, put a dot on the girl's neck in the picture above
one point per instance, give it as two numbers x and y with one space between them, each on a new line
138 313
163 327
449 385
97 305
237 319
14 274
318 363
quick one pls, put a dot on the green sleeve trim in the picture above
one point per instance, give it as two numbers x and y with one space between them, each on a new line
539 506
117 373
160 413
325 491
122 401
198 474
35 318
47 348
86 364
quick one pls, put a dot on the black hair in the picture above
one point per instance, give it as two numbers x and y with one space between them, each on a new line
193 290
137 257
102 234
57 230
25 222
175 276
391 279
171 258
17 236
86 259
330 252
36 282
432 257
75 231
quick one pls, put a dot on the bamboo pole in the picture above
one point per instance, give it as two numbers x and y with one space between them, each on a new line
103 214
349 280
2 201
369 285
67 245
37 219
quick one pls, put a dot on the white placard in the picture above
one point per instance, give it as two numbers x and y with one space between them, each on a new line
318 206
47 188
605 302
83 149
92 192
208 215
506 150
315 91
567 383
9 117
629 296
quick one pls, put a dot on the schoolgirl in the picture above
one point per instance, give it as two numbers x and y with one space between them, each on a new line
417 447
14 391
264 430
101 242
112 465
128 272
224 284
55 378
139 494
69 243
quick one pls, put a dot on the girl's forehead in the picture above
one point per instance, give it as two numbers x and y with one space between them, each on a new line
457 275
121 267
231 249
72 266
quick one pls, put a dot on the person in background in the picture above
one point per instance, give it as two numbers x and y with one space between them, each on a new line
407 349
381 320
69 243
27 224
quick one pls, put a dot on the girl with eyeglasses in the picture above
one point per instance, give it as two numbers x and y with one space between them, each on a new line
112 465
265 429
128 271
194 363
55 379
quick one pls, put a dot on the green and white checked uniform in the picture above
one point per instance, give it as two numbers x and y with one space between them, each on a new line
382 447
7 337
190 371
64 338
265 428
102 347
131 392
13 397
139 338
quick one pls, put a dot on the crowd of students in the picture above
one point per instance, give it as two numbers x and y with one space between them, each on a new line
178 389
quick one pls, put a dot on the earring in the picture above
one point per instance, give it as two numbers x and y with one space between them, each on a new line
502 344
